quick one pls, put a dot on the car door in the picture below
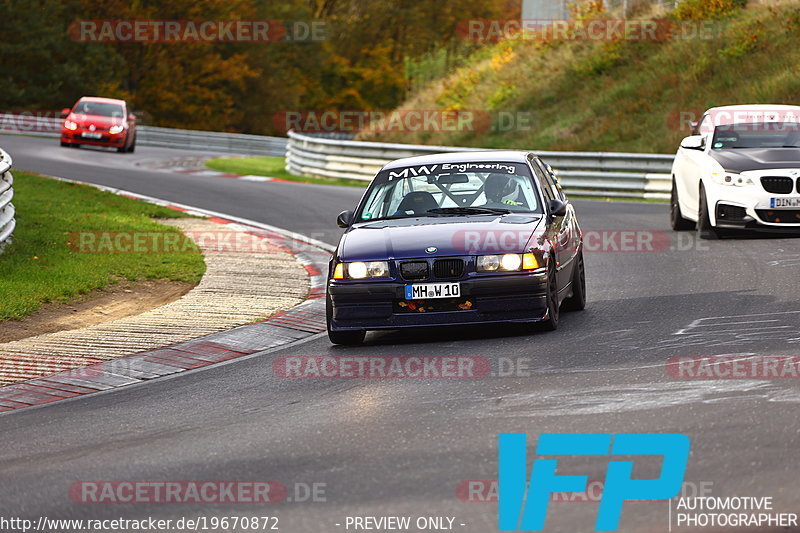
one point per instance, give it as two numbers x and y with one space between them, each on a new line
561 227
688 170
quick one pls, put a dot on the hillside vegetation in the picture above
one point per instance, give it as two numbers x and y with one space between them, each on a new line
623 95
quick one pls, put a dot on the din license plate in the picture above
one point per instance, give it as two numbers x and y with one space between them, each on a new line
91 135
430 291
777 203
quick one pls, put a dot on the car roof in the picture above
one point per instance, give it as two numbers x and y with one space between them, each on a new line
101 100
732 114
755 107
506 156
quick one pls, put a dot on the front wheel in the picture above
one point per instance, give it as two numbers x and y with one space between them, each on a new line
704 227
344 338
551 322
577 302
676 219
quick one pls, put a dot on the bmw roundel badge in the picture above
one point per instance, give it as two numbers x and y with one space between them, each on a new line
431 250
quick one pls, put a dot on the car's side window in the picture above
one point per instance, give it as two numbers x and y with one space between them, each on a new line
549 187
540 176
553 180
706 127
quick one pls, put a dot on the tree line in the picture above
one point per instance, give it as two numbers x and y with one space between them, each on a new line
328 54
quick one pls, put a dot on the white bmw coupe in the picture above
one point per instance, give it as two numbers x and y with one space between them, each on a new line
739 170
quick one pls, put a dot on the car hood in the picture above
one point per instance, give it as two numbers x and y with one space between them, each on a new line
745 159
409 238
98 121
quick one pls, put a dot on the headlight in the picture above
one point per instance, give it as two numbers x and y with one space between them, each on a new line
507 262
488 263
115 129
357 270
727 178
361 270
70 125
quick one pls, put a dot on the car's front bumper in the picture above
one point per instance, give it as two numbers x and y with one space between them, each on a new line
373 305
74 137
753 205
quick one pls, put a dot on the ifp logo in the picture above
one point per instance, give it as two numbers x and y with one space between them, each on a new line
523 506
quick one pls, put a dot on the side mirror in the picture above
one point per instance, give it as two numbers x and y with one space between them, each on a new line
558 208
131 117
65 112
344 219
694 142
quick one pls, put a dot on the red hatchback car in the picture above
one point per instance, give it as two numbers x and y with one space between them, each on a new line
99 122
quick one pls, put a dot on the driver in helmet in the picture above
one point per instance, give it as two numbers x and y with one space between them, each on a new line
499 190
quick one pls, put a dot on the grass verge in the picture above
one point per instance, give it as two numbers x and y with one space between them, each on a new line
272 167
619 95
39 266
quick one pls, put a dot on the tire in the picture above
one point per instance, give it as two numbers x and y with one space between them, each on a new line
676 219
122 149
551 322
65 144
577 302
704 227
344 338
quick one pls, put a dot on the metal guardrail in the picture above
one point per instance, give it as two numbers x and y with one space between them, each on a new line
232 143
600 174
7 211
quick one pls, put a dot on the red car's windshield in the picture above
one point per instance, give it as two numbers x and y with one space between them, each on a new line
101 109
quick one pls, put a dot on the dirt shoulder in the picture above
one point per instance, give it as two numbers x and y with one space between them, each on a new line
120 300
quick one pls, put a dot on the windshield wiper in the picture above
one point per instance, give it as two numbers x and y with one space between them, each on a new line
468 211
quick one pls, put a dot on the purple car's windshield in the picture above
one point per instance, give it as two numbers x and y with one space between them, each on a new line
477 188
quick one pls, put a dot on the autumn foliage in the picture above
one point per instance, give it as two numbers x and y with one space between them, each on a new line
361 63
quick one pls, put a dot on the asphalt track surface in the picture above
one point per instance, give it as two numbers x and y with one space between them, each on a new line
400 447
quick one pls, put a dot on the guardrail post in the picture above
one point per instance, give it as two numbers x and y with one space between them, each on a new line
7 211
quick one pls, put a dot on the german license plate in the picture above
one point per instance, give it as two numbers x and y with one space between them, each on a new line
430 291
777 203
91 135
